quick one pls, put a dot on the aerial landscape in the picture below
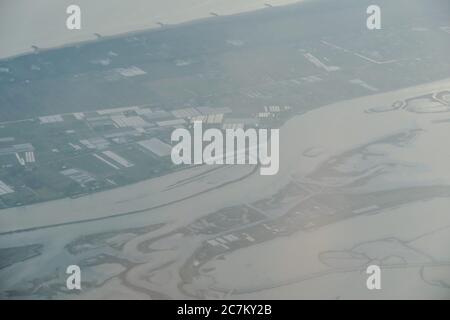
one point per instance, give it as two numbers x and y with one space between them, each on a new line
87 179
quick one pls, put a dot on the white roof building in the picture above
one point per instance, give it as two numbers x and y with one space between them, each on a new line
5 189
156 146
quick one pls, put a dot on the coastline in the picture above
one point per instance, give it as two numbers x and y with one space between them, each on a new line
140 197
100 21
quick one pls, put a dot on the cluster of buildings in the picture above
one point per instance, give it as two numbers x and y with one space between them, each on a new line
103 140
24 152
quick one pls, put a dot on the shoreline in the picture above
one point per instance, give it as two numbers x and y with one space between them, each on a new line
141 196
114 32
